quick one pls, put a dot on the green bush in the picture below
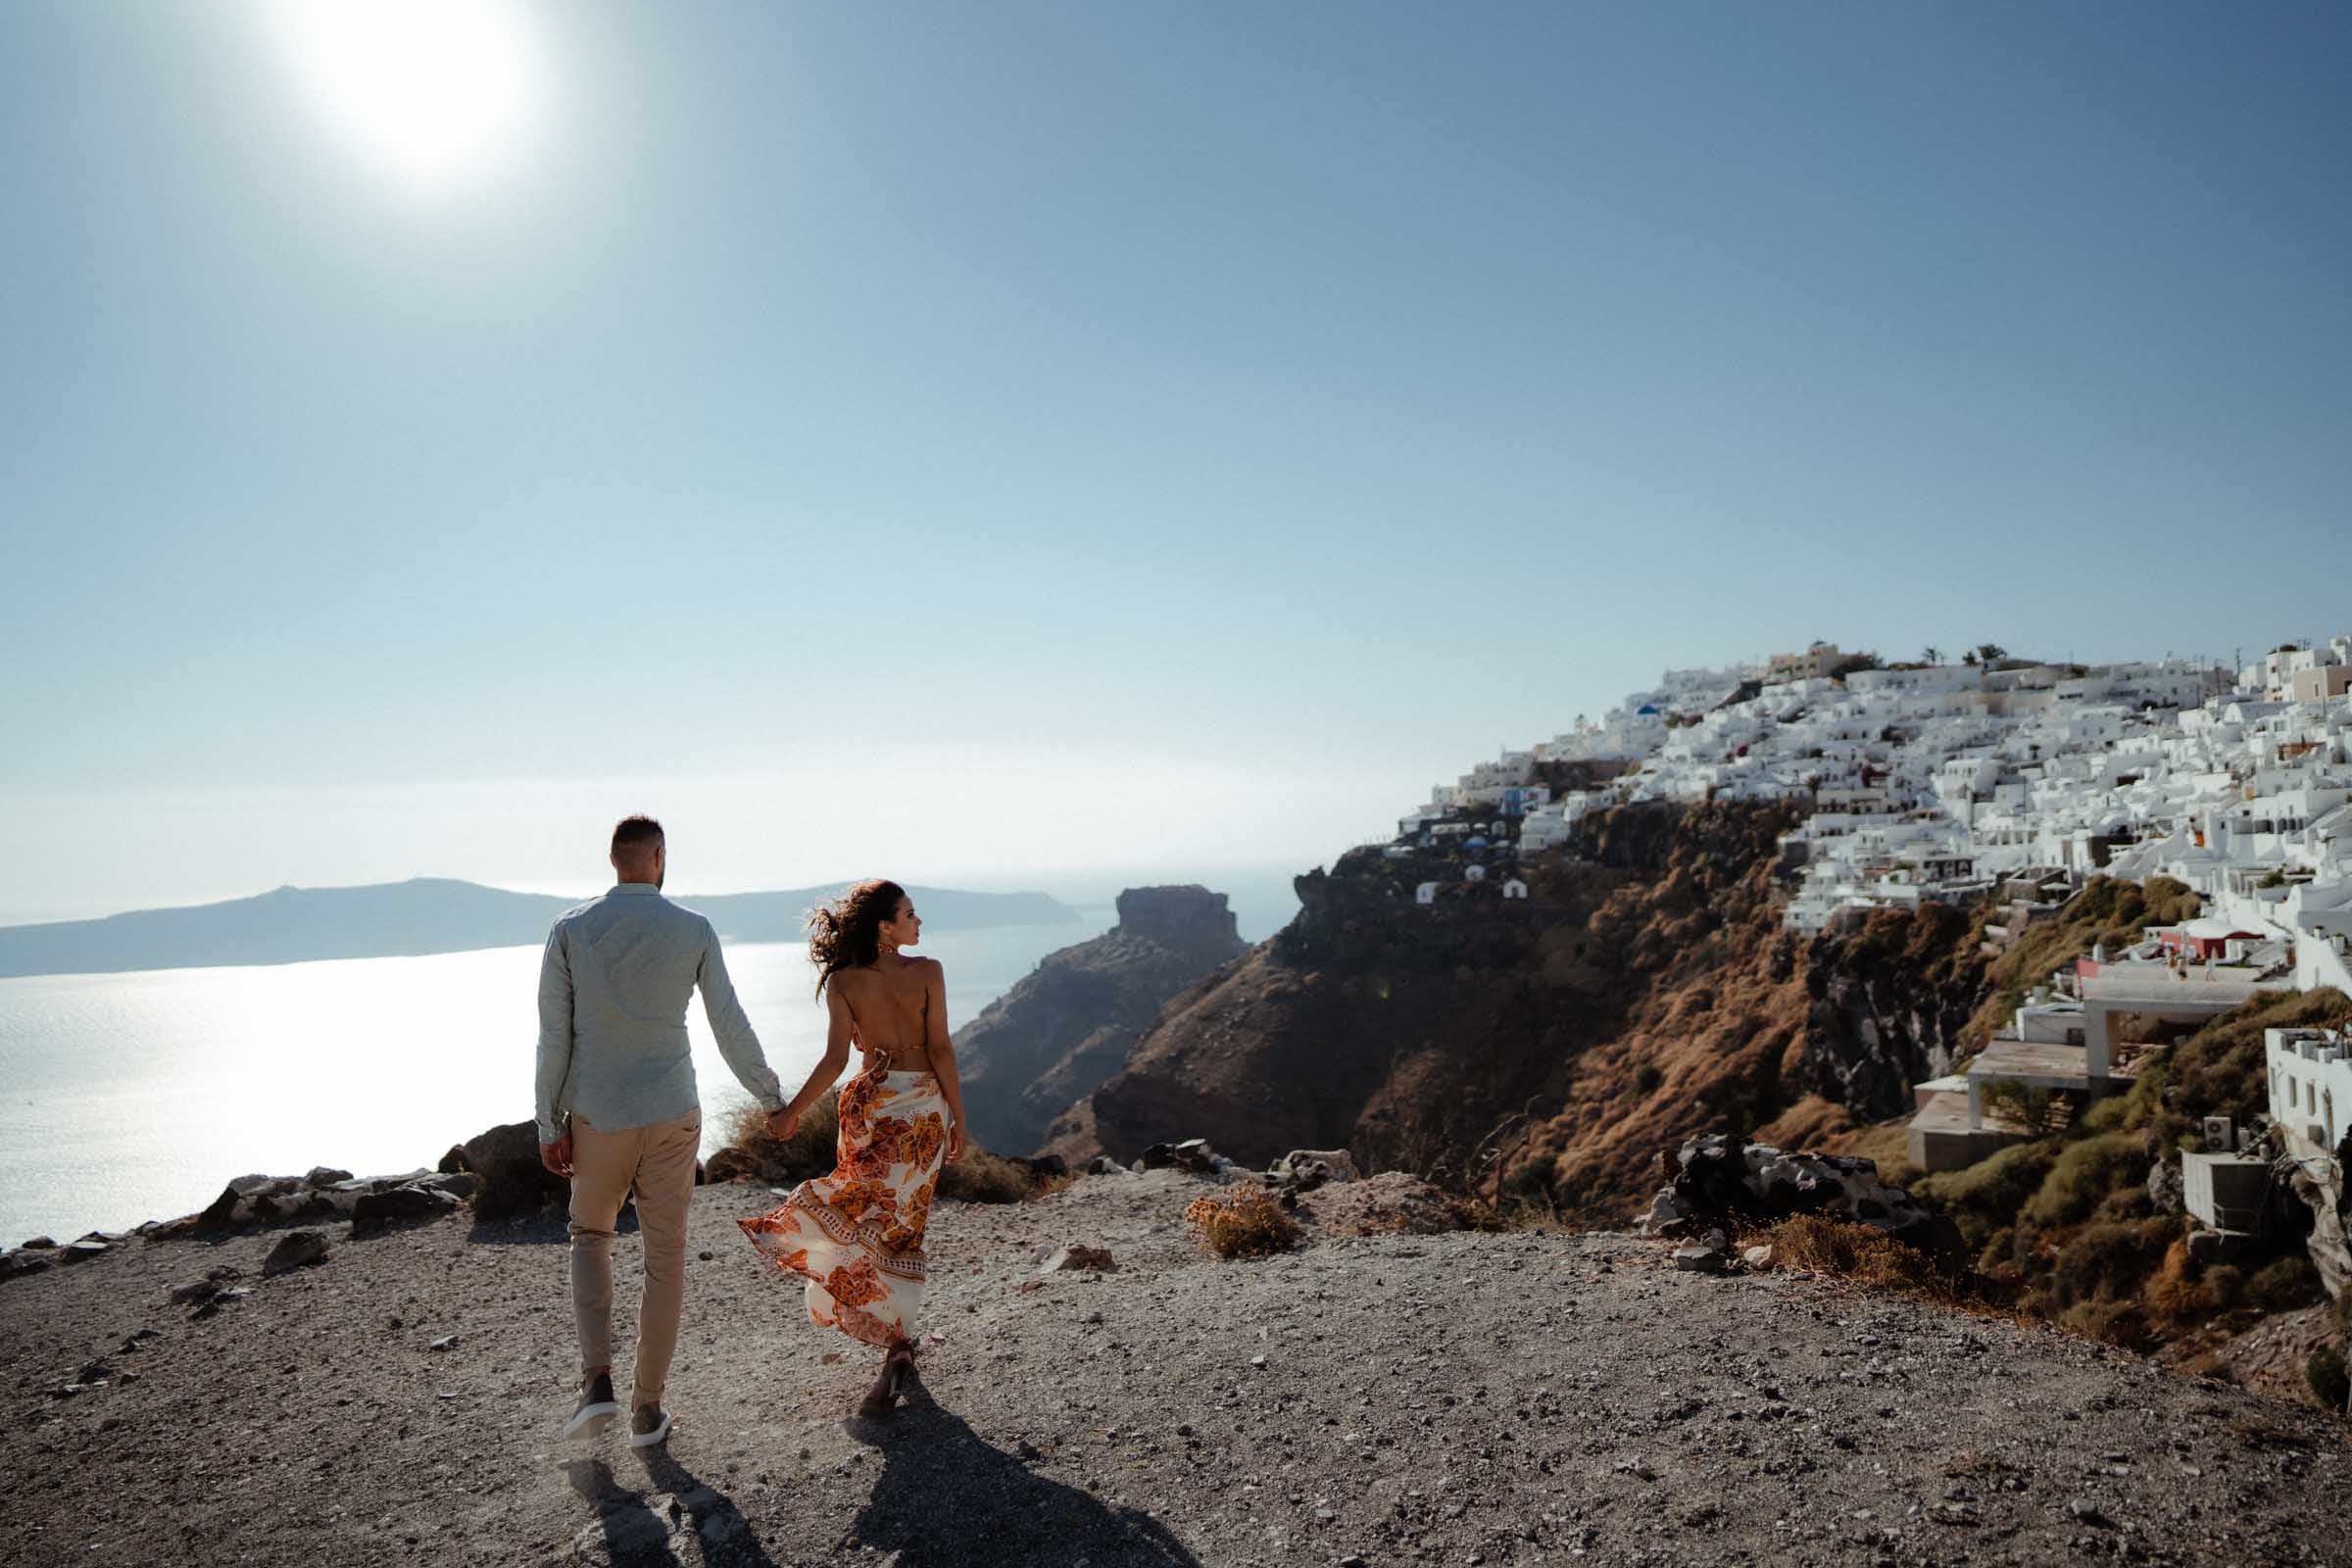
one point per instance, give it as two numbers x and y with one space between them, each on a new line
2285 1285
2124 1323
2083 1173
2109 1261
1994 1188
1999 1251
2329 1383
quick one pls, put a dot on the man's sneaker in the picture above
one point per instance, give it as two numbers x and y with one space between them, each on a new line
649 1424
597 1408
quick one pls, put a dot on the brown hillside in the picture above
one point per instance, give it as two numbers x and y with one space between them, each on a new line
1643 991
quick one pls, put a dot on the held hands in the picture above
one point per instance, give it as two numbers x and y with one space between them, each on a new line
783 1123
556 1156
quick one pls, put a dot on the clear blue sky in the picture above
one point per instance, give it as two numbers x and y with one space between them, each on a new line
962 439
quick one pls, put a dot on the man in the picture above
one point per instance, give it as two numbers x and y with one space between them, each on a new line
614 1059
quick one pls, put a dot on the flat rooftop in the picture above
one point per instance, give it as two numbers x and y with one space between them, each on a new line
2158 986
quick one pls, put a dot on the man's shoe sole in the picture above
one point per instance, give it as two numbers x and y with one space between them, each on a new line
646 1440
591 1420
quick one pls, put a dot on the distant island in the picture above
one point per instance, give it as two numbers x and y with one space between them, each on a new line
423 916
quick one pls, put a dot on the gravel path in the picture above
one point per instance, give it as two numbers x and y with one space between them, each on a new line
1460 1399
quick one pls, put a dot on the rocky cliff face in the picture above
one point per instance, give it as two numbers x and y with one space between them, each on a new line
1553 1047
1409 1033
1890 998
1069 1024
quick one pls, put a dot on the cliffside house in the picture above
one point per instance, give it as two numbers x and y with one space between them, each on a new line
2062 1047
2310 1072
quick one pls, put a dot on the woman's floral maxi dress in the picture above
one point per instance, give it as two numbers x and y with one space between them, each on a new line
857 1235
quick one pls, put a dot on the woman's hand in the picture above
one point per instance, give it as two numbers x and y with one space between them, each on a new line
783 1123
954 1141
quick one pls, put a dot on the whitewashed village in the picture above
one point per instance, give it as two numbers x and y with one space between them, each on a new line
2016 781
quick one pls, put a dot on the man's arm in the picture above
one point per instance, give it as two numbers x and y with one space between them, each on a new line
555 1051
736 1041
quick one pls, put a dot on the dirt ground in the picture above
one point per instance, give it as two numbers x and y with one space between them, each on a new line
1461 1399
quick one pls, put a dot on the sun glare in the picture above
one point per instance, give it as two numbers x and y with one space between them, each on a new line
435 90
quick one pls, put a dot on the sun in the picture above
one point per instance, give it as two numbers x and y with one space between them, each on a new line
435 91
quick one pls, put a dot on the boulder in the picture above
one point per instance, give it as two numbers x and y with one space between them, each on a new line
1040 1164
1193 1154
1104 1166
377 1212
87 1248
1722 1178
21 1261
453 1161
513 1182
325 1176
38 1244
461 1185
294 1250
2168 1192
1309 1168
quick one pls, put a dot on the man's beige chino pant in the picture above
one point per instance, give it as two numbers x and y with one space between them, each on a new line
658 1160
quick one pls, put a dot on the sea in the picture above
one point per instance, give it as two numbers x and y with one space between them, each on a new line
126 1098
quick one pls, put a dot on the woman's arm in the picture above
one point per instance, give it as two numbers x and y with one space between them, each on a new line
841 1030
942 1052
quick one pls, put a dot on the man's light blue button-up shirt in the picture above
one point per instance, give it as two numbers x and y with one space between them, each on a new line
613 992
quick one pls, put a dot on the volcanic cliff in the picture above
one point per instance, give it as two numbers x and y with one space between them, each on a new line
1070 1023
1409 1033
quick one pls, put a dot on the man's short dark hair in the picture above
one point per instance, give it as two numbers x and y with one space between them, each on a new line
631 831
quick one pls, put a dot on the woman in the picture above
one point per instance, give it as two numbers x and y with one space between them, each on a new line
857 1235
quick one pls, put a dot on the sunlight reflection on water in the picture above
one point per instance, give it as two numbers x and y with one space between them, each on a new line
133 1097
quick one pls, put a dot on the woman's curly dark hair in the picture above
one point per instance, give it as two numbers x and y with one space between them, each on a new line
847 933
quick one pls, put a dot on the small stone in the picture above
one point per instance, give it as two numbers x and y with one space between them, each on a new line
1028 1450
1257 1360
447 1342
1758 1256
39 1244
295 1249
705 1256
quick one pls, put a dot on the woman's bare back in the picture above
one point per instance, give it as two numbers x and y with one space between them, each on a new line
890 1003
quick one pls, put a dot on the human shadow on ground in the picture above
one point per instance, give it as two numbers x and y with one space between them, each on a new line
634 1533
948 1498
677 1519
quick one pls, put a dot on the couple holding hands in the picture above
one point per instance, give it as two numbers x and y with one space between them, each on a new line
617 1111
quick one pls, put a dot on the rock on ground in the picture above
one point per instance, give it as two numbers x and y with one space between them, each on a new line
1508 1398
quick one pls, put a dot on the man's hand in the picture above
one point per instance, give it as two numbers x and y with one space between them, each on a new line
783 1123
556 1156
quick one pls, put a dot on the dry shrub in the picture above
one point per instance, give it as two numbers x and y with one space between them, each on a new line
2124 1323
980 1177
1242 1221
757 1155
2329 1383
1859 1253
2286 1285
2107 1261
